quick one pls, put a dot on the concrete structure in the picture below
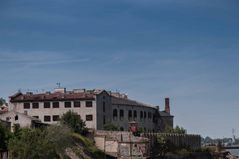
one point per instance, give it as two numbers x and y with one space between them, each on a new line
96 108
19 119
122 144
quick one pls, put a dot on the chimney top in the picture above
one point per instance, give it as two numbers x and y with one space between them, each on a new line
167 105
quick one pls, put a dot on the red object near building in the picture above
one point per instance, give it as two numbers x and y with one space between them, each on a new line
133 127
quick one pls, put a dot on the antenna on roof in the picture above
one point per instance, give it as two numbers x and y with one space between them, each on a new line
58 85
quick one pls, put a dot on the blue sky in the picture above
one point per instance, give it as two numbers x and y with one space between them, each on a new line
186 50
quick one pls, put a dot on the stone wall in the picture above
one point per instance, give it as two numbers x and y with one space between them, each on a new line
121 144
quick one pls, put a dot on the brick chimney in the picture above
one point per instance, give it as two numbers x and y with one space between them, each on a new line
167 105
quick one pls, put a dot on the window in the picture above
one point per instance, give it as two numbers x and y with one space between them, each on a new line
88 103
141 115
56 118
26 105
36 117
76 104
103 106
67 104
144 115
55 104
104 119
89 117
47 118
121 114
135 114
8 118
35 105
130 114
47 104
16 117
115 113
149 115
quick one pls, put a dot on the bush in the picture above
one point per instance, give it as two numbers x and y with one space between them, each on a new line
111 127
74 121
40 143
5 135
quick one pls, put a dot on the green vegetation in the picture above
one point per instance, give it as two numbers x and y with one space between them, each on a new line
4 137
87 147
40 143
111 127
74 121
176 130
2 101
61 141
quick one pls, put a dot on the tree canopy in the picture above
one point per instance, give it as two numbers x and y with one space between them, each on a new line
176 130
40 143
110 127
74 121
4 137
2 101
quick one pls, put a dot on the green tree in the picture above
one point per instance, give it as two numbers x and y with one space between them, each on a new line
40 143
4 137
176 130
163 146
2 101
110 127
74 121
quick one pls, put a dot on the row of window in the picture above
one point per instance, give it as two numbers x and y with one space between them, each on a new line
48 118
131 114
76 104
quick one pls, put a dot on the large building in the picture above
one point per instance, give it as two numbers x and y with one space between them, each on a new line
95 107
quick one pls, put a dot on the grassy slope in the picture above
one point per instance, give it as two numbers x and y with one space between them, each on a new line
85 148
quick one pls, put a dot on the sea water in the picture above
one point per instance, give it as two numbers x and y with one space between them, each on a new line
234 151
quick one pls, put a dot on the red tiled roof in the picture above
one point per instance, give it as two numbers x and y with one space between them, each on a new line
52 97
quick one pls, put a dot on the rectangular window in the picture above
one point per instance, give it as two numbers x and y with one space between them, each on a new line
89 117
47 118
56 118
47 105
26 105
35 105
104 119
67 104
88 103
135 114
121 114
103 106
55 104
76 104
36 117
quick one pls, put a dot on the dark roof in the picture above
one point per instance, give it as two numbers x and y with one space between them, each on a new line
126 101
57 96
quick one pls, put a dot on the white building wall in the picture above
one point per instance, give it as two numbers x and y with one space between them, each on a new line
41 111
22 120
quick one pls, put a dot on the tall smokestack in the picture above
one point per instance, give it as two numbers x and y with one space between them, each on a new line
167 105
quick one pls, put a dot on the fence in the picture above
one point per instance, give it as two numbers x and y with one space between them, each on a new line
188 140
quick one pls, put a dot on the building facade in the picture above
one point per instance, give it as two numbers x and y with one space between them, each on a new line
95 107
